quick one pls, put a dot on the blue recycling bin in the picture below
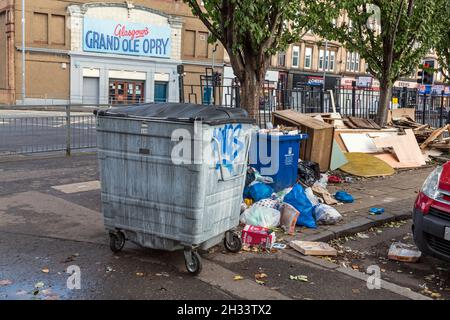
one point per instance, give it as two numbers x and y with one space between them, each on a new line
281 166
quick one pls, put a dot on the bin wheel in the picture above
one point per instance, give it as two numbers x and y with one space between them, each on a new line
116 241
194 266
232 242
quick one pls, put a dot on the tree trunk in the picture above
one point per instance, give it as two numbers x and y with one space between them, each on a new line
250 95
385 98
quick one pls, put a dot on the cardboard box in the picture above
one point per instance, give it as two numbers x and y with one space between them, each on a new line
258 236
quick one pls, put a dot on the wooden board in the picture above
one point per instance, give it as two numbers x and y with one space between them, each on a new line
366 165
402 113
359 143
309 248
434 136
364 123
405 148
392 160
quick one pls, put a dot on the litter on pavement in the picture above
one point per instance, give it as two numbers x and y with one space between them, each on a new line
309 248
404 252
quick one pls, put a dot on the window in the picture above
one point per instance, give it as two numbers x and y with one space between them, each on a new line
295 56
329 61
282 59
40 28
353 61
308 57
189 43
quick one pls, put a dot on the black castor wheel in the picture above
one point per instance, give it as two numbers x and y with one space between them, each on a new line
116 241
232 242
193 262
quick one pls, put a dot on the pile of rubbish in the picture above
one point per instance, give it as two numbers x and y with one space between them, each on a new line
361 148
306 204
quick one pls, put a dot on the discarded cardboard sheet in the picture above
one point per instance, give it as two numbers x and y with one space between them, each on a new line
324 194
338 158
404 252
309 248
405 148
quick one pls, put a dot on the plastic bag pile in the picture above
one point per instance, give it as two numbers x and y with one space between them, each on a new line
292 206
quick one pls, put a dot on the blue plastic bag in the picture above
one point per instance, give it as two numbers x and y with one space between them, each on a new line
259 191
344 197
376 211
298 199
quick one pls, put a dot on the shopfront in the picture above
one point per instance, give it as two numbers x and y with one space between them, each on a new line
130 59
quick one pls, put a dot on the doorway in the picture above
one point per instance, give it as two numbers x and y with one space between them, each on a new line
126 92
161 91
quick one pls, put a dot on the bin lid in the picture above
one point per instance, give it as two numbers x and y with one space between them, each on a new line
180 112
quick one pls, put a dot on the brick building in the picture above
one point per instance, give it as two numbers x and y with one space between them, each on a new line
101 51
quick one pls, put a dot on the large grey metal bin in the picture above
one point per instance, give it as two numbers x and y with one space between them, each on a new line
172 175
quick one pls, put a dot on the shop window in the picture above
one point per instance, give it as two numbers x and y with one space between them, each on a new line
58 34
126 92
295 56
40 28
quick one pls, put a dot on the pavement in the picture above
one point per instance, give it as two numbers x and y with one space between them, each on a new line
50 220
396 194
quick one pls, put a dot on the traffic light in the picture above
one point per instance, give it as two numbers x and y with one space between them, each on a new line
217 78
426 74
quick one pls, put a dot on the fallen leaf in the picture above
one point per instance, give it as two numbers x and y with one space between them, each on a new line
260 276
5 282
260 282
238 277
356 291
45 270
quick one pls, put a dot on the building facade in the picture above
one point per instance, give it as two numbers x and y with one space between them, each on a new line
101 52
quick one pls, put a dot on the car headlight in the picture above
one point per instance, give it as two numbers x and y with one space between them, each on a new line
431 185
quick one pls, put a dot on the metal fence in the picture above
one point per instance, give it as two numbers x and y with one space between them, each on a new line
431 109
33 131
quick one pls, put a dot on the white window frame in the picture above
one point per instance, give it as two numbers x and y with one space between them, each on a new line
353 63
330 62
295 55
308 57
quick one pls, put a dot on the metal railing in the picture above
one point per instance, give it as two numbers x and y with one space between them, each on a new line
33 129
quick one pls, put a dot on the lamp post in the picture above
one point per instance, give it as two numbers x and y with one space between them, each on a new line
23 53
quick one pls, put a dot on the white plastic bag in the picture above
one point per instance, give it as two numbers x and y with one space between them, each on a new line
326 215
311 197
261 217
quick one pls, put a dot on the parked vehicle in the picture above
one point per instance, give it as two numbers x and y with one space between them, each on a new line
431 214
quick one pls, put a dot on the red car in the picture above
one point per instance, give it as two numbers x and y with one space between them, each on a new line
431 214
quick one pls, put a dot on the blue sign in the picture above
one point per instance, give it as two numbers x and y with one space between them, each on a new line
128 38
